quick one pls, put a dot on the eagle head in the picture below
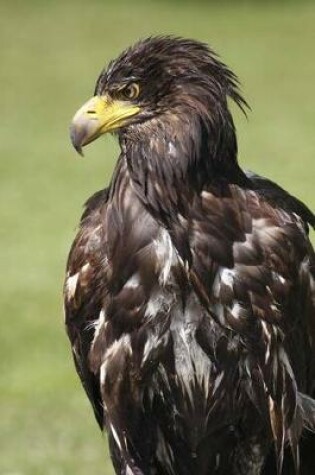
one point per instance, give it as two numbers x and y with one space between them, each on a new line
159 80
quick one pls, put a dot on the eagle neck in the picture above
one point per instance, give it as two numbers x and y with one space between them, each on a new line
171 161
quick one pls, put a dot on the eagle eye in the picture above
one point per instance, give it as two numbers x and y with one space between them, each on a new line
130 92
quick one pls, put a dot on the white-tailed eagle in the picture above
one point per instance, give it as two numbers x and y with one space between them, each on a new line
190 291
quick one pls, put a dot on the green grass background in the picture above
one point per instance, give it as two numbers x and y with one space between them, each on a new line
50 55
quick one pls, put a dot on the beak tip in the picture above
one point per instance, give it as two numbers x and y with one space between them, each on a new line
78 149
76 137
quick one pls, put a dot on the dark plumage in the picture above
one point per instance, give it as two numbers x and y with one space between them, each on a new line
190 291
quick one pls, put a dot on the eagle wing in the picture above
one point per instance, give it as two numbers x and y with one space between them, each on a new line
83 295
280 198
253 268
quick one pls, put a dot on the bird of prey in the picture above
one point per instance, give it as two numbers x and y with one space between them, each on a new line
190 291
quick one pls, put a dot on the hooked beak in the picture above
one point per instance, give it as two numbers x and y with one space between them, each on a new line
99 115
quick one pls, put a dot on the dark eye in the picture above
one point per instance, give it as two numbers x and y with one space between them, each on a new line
130 92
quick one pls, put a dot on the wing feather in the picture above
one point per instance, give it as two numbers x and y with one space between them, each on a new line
253 269
83 295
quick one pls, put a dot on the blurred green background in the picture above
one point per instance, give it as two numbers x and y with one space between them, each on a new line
50 55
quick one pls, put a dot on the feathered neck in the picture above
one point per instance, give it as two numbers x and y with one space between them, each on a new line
170 160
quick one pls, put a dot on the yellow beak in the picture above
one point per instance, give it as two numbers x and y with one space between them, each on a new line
99 115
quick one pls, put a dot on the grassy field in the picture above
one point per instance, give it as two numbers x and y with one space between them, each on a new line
51 53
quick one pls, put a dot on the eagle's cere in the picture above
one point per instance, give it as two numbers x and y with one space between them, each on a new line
190 292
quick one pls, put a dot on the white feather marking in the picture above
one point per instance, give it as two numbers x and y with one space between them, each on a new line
268 336
273 416
227 277
224 276
165 254
74 349
103 374
149 344
206 195
115 435
71 285
236 310
171 149
85 268
217 382
159 301
133 282
153 307
99 324
123 342
274 307
185 334
266 330
72 281
279 277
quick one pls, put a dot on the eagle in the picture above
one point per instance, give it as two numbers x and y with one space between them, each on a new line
190 285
